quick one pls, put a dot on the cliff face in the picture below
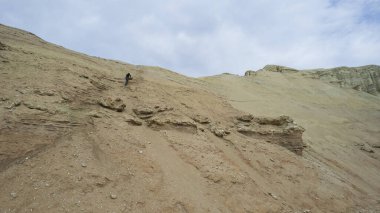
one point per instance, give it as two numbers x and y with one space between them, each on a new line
365 78
342 125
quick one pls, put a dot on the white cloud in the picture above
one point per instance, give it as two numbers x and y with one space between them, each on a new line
209 37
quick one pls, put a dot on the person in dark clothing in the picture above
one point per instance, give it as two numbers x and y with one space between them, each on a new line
127 78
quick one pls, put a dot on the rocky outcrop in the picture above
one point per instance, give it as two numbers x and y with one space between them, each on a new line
365 78
277 68
172 121
163 118
145 112
98 84
201 119
281 131
116 105
4 46
250 73
132 120
279 121
44 92
271 68
219 131
245 118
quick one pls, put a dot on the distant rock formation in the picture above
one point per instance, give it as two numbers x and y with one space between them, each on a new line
365 78
271 68
250 73
277 68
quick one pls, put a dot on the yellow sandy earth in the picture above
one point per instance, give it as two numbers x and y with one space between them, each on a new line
74 139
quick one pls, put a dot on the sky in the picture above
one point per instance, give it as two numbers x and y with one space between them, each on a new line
204 37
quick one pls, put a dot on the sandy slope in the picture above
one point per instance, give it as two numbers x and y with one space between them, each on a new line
61 151
338 122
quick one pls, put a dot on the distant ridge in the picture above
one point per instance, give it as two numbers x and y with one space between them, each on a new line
363 78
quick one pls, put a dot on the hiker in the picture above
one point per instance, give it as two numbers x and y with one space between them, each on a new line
127 78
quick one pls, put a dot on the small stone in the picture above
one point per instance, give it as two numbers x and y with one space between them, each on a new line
219 132
366 148
307 211
140 151
274 196
94 114
83 164
132 120
113 196
13 194
16 103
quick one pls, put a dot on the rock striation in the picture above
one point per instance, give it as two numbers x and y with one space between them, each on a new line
116 104
277 68
365 78
281 131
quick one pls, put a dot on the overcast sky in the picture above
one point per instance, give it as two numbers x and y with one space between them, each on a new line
200 37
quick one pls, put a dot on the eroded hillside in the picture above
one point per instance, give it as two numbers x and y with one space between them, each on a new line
74 138
342 124
364 78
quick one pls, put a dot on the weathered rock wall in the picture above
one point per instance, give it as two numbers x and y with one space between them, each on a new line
281 131
365 78
271 68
